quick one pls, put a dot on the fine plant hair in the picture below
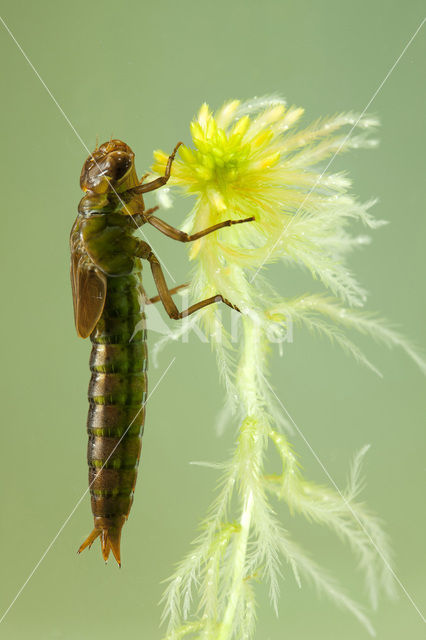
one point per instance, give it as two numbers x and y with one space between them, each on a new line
249 159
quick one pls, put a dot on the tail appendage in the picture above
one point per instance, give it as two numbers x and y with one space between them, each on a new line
110 539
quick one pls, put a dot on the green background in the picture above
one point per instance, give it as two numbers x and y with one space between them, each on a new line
139 71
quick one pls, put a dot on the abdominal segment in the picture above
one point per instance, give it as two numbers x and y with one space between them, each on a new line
117 396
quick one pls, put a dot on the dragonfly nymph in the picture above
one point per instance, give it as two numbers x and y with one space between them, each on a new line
106 277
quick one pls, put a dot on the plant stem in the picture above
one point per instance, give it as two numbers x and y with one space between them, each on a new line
227 625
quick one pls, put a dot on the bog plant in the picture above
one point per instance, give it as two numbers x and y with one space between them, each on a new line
249 160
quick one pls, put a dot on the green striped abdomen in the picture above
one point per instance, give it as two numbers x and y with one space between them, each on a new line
117 396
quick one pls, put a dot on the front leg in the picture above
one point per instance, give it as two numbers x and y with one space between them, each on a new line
144 251
161 181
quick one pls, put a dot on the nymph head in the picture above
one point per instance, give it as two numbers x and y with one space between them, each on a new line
108 168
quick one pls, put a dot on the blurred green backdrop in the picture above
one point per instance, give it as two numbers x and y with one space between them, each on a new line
139 71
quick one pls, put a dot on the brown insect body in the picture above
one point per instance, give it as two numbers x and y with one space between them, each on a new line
108 306
108 300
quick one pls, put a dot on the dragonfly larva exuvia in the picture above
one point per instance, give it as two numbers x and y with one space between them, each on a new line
106 276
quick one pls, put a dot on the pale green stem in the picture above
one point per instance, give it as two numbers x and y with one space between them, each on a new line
251 360
226 628
185 630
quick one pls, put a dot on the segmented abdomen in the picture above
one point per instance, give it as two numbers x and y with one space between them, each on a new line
117 395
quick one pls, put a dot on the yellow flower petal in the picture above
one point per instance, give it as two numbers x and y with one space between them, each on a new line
270 160
216 199
196 131
186 154
241 127
261 138
226 113
194 249
204 115
160 156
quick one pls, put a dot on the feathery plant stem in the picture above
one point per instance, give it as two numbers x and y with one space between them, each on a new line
239 561
247 160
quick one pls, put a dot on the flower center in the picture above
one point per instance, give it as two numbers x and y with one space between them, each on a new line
221 160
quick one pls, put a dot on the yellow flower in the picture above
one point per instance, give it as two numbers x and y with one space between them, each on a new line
247 160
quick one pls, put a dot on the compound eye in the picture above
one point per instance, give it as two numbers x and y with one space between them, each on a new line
119 163
101 165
